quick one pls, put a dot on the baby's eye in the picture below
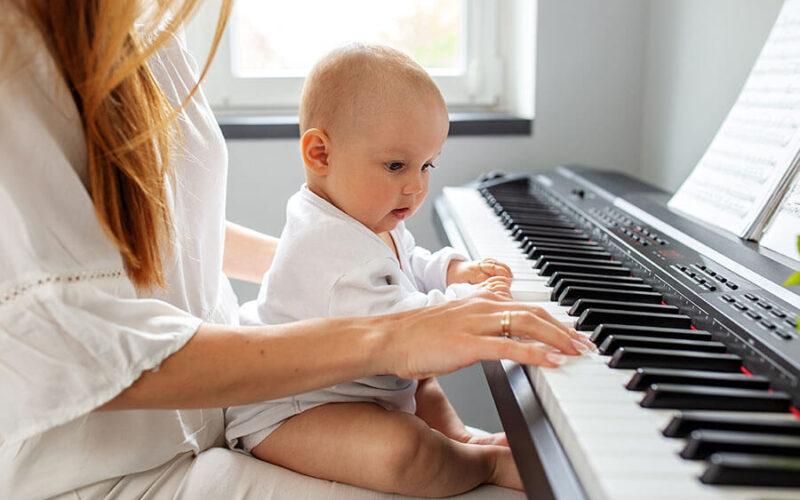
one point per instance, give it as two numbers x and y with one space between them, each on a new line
394 166
427 166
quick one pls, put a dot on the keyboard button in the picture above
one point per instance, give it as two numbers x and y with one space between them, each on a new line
753 315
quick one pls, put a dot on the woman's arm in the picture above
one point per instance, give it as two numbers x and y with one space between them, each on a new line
248 253
224 366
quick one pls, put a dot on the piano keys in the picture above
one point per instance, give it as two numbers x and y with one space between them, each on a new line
694 389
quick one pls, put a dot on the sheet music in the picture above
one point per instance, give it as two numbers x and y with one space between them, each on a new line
738 181
784 228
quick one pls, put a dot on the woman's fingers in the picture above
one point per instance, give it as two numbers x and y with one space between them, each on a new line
526 322
470 330
520 352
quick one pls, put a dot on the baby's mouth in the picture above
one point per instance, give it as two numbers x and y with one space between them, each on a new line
401 213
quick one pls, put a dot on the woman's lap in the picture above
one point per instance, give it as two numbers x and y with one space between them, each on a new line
221 473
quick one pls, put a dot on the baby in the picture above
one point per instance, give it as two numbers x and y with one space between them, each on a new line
372 123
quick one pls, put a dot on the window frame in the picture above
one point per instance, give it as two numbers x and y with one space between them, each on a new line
478 89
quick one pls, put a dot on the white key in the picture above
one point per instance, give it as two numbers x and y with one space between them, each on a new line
615 447
529 291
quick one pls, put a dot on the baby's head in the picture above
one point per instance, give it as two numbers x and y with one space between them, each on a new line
372 123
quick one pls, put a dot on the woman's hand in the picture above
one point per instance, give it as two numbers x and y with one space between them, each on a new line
475 271
440 339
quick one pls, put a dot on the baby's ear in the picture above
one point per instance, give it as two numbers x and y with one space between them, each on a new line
315 146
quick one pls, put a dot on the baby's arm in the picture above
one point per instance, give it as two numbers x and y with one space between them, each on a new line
367 446
447 267
374 287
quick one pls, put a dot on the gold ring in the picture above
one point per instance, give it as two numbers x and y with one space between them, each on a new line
505 324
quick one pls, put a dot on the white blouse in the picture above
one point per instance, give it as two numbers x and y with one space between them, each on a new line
74 332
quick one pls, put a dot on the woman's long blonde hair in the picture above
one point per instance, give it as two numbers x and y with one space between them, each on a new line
102 47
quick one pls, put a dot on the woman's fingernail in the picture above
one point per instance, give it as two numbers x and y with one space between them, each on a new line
555 358
588 343
580 346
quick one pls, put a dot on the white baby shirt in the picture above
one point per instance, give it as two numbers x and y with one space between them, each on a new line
329 264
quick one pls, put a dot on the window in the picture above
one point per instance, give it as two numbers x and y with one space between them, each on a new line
270 45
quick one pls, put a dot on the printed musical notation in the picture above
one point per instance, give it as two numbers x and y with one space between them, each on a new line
784 227
738 182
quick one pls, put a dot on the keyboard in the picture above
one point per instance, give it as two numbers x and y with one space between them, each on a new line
694 388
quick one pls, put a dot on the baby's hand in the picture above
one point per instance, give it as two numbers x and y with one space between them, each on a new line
501 285
475 271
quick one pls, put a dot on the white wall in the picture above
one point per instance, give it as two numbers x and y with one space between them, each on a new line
698 56
630 85
588 109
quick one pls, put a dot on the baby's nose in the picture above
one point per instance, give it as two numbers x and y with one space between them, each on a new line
415 185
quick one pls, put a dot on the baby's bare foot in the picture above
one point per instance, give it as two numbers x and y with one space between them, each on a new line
498 439
505 470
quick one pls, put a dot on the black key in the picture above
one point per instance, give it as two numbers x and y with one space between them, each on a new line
556 278
614 342
684 423
546 227
582 304
552 267
545 259
752 470
572 294
549 232
645 377
696 397
591 318
636 357
537 251
559 287
539 222
601 332
702 444
530 241
520 209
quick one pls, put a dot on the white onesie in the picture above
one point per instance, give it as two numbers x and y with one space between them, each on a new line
329 264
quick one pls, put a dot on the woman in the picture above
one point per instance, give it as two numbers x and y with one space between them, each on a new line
118 333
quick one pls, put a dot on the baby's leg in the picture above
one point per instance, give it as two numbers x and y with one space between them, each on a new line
364 445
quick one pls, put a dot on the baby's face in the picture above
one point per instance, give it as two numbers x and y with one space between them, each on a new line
379 173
